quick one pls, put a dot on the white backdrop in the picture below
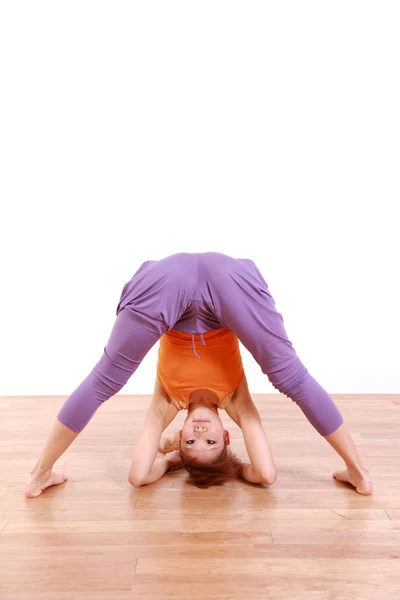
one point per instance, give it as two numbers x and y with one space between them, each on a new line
133 130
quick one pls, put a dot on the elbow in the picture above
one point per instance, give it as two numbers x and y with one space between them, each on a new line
269 476
136 480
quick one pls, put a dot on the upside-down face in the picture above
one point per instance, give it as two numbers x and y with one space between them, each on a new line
203 435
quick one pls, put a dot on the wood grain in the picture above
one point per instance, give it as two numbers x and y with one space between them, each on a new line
96 538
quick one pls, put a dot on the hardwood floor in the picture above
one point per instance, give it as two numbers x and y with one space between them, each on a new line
96 538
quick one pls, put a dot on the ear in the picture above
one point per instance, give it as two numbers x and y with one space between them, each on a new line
179 438
227 437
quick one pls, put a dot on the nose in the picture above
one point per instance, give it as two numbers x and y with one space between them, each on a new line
200 428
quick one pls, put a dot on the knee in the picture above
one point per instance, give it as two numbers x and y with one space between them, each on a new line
287 380
109 375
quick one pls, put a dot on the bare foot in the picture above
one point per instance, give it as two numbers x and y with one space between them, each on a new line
360 481
39 483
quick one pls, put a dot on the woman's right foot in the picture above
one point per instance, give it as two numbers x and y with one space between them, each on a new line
40 482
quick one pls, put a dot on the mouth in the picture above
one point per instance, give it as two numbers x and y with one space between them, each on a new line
201 421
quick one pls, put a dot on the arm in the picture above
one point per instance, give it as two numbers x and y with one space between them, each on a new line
245 414
158 469
144 469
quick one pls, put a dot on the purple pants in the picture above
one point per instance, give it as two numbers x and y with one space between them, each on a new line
196 293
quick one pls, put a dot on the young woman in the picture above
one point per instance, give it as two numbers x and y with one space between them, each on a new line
208 294
202 445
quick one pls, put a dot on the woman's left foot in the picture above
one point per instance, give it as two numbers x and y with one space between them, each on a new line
360 481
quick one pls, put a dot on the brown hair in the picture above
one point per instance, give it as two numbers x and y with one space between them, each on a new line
225 467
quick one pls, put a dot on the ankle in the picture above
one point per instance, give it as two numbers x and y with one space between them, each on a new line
41 470
358 469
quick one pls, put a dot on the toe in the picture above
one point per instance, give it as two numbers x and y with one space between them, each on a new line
341 476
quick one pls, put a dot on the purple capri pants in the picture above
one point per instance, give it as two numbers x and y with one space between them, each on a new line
196 293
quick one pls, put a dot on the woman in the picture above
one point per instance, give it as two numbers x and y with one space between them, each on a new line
195 294
203 442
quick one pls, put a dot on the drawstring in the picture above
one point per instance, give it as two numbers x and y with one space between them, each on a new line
194 349
193 346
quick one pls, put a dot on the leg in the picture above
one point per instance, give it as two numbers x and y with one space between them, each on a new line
127 346
356 473
158 296
240 298
42 477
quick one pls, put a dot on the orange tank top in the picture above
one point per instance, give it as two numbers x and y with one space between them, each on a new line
217 366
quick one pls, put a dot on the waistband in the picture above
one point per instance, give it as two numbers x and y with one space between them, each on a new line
179 338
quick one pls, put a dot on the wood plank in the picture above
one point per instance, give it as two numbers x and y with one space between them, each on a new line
3 525
96 538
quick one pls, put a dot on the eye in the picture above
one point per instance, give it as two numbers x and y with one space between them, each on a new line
211 442
190 441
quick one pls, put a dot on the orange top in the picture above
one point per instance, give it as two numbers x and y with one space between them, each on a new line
180 371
